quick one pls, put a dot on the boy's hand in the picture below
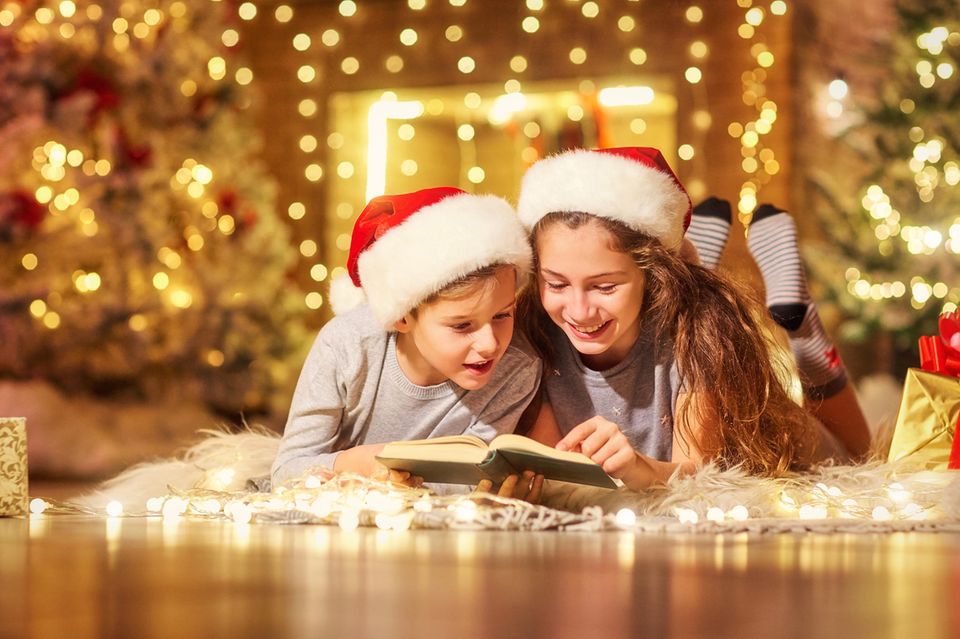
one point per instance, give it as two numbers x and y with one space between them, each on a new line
402 478
527 487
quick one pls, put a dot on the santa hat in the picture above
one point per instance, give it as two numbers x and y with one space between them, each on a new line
407 247
632 185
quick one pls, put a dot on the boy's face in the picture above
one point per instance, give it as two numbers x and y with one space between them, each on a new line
459 339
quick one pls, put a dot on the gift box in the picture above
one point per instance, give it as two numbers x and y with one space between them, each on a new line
926 428
13 466
927 421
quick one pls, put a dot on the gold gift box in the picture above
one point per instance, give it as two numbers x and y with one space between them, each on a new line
927 421
13 466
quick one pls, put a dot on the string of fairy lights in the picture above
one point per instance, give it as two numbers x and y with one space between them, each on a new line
887 221
759 160
65 19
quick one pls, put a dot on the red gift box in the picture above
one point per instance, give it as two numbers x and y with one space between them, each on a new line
941 354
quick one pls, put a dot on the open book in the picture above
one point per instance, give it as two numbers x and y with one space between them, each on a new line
466 459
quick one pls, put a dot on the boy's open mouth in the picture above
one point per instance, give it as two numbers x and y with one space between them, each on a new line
479 368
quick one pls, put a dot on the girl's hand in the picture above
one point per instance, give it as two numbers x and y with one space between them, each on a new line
602 441
528 487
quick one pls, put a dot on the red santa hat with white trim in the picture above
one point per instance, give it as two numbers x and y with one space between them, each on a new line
407 247
632 185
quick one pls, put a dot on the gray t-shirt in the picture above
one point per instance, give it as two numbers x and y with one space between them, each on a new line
639 394
352 391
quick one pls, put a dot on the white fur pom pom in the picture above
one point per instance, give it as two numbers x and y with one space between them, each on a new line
344 295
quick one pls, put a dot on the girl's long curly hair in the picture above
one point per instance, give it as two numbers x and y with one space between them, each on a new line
723 354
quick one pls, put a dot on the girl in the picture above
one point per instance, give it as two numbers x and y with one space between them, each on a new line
429 353
654 363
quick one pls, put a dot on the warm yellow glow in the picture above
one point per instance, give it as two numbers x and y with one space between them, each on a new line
466 64
161 281
754 16
377 117
694 14
217 68
575 112
215 358
247 11
518 64
408 37
318 272
638 126
530 24
476 174
590 9
181 298
330 37
535 5
296 211
417 5
453 33
350 65
638 56
51 320
313 300
283 13
409 167
394 64
29 261
313 172
626 96
685 152
347 8
465 132
308 248
626 24
406 132
578 55
693 75
306 73
38 308
307 108
505 106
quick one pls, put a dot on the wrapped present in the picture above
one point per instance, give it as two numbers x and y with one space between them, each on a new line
927 421
13 466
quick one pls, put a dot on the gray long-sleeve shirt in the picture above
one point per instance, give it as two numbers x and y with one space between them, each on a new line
351 391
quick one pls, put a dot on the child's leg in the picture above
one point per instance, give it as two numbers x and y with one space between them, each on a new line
709 228
773 243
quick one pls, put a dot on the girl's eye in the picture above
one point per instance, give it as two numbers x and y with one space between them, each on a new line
607 289
555 286
502 316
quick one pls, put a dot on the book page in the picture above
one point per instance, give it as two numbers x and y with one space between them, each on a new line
525 444
457 448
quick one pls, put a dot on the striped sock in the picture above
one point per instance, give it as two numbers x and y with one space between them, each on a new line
773 243
708 230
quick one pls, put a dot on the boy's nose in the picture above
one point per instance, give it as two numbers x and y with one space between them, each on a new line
486 342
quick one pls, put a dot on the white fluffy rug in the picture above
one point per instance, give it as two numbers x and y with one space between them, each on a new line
210 480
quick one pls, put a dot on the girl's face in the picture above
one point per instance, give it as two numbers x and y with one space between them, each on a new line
591 291
459 339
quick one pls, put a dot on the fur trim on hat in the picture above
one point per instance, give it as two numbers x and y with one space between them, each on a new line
437 246
606 185
344 295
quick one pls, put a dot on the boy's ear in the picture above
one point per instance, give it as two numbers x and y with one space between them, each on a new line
403 325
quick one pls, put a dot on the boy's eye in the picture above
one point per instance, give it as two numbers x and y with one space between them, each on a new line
462 326
502 316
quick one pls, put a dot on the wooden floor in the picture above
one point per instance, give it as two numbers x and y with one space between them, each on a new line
80 577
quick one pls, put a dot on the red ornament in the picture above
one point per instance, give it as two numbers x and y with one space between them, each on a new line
26 211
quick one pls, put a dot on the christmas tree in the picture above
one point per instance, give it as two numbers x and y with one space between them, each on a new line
891 216
140 255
